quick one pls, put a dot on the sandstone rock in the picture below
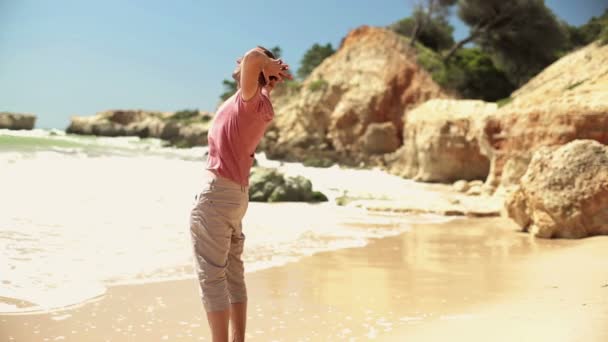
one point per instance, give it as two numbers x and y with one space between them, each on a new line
474 190
372 78
17 121
565 102
461 185
475 183
440 142
380 138
564 192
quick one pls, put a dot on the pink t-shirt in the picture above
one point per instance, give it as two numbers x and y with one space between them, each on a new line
237 130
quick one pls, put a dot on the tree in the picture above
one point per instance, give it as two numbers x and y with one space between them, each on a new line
522 36
313 57
428 21
229 89
436 33
230 85
472 73
596 28
276 51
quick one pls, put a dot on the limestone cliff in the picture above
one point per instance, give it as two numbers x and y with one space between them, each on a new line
440 142
372 79
567 101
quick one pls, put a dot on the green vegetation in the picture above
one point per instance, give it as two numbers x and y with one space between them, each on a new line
276 51
229 89
317 162
189 116
595 29
574 85
345 198
504 102
185 114
230 86
521 36
509 43
471 73
428 25
313 57
268 185
316 85
603 38
293 85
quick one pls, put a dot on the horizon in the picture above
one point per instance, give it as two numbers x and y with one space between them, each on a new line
72 58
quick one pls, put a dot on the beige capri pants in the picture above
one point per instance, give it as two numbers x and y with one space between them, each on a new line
217 237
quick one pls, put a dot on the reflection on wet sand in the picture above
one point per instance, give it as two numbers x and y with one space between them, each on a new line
464 278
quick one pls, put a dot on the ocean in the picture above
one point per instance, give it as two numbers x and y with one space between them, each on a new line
81 213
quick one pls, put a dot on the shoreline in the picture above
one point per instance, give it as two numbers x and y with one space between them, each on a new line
436 279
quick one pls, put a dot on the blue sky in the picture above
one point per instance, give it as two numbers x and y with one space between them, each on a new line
62 58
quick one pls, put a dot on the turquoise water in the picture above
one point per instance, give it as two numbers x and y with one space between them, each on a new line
40 140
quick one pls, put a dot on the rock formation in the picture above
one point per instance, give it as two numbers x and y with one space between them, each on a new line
17 121
343 107
564 192
567 101
186 128
440 142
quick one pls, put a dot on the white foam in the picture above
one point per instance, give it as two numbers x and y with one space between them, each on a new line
73 224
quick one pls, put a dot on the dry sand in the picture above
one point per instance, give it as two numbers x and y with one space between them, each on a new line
466 280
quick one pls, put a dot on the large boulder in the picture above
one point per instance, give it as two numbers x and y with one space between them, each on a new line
17 121
380 138
268 185
564 192
567 101
440 142
373 78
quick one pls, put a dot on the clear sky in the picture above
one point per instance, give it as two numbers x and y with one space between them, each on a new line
62 58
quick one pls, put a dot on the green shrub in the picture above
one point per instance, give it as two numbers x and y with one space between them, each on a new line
436 33
316 85
268 185
189 116
603 37
470 72
473 74
318 162
574 85
185 114
313 57
504 102
293 85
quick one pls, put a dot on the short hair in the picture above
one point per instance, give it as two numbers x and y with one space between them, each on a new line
236 74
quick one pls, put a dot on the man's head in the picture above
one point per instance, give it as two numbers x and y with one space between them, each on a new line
236 74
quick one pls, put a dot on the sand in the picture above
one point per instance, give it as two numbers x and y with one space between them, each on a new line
465 280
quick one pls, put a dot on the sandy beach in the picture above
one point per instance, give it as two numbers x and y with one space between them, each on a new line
468 279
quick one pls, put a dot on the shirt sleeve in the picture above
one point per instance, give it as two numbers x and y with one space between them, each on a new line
252 104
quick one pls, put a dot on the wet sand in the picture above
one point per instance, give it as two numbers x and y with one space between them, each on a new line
465 280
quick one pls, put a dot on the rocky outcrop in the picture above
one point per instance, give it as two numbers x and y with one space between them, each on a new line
372 79
380 138
268 185
440 142
567 101
185 128
564 192
17 121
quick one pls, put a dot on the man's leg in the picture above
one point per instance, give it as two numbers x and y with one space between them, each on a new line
211 243
235 276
